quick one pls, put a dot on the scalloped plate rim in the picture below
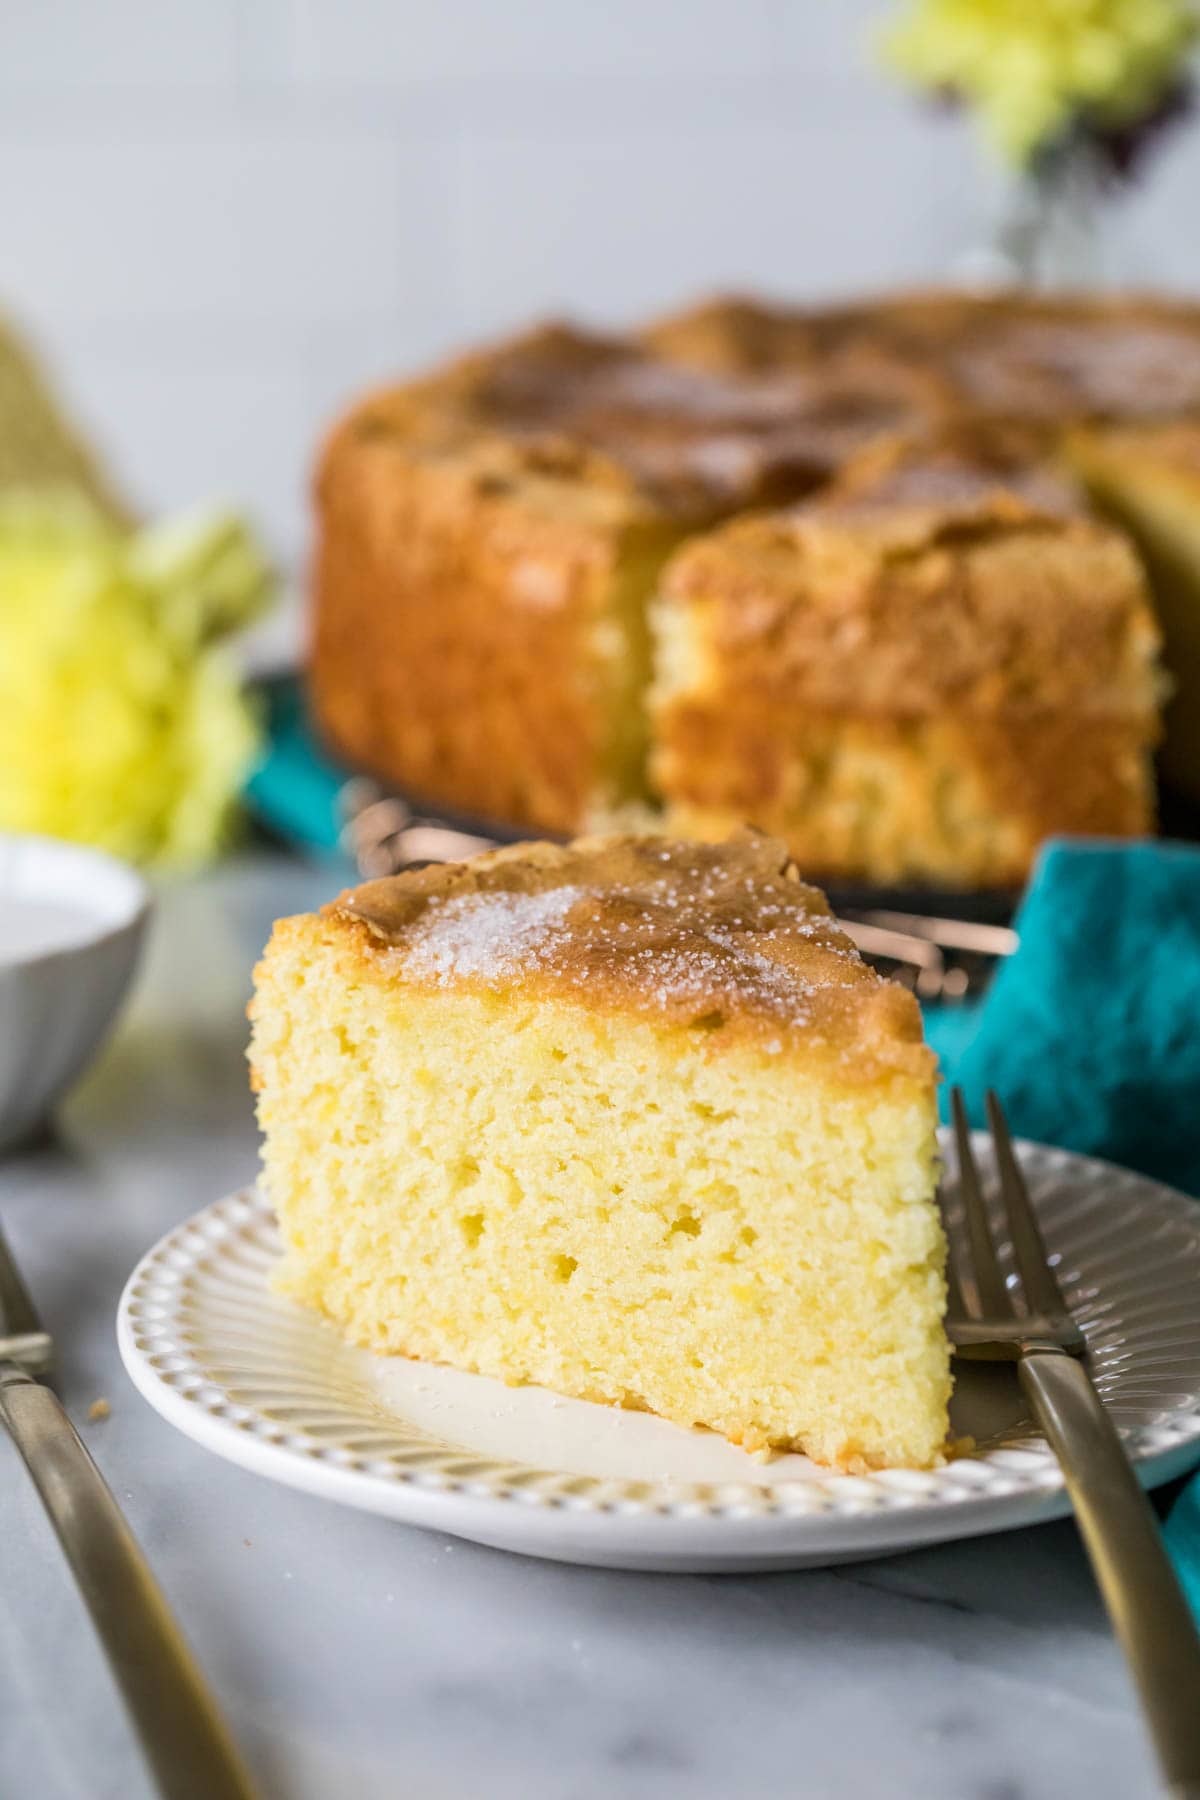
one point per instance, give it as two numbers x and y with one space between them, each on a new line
674 1533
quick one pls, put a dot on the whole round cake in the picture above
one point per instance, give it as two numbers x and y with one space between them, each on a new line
888 578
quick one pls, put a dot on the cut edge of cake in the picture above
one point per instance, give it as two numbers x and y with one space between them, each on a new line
904 687
1146 479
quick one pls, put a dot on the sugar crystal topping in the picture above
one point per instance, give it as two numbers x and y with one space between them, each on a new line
488 936
703 935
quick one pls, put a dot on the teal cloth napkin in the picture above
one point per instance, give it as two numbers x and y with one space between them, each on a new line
294 790
1183 1540
1090 1033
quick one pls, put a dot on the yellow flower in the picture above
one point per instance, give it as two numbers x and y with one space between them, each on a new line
1032 68
122 724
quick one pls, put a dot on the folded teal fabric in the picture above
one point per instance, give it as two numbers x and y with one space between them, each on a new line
1183 1541
294 790
1090 1033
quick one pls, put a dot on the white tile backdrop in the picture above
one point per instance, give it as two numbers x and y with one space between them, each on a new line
221 217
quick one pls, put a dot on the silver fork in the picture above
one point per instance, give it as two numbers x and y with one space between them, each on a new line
181 1731
1032 1327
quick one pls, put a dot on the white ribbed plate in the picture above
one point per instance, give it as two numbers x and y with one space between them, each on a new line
272 1387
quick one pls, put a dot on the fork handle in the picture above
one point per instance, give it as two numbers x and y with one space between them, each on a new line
1150 1616
184 1739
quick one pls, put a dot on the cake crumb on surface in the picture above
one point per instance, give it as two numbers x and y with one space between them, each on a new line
99 1409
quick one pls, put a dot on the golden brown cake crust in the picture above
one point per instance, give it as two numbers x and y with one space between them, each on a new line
723 938
1055 358
988 605
1077 358
733 333
694 443
959 463
476 526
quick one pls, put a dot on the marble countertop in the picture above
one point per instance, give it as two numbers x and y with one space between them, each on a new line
361 1658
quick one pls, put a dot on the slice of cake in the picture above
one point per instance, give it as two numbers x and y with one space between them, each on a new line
630 1119
924 680
489 540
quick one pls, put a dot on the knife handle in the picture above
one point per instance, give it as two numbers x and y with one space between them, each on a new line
1150 1616
184 1739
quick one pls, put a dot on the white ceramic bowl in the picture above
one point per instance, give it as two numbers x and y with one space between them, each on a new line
71 925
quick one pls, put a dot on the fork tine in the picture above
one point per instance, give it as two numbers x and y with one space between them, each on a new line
956 1304
990 1296
962 1300
1042 1293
